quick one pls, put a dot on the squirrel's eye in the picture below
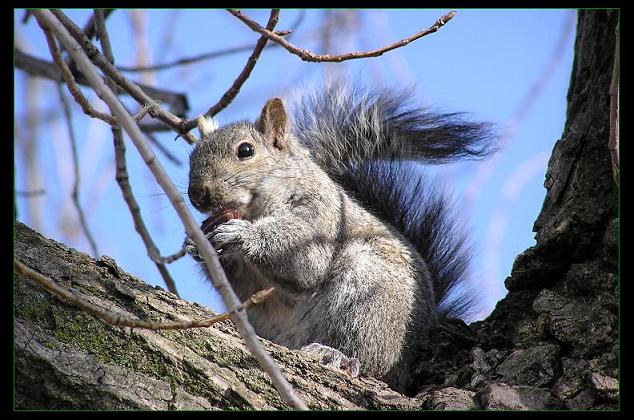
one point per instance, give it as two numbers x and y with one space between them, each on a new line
245 151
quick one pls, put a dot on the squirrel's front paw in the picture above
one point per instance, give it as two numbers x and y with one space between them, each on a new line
228 235
333 357
192 249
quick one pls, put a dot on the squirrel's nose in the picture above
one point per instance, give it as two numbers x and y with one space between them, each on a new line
198 195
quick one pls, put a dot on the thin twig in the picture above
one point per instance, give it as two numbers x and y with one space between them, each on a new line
27 16
171 258
210 256
215 54
30 142
119 320
187 60
613 143
90 28
70 81
77 181
309 56
142 112
81 99
121 174
165 151
233 91
111 71
196 58
90 31
42 68
30 194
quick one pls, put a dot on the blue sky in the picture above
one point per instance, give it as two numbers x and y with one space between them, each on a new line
510 67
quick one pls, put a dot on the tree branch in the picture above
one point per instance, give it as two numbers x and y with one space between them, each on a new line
210 256
215 54
110 70
316 58
70 81
121 174
233 91
42 68
190 60
30 194
76 182
119 320
81 99
90 29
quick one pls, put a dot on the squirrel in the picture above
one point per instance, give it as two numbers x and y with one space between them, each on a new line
322 204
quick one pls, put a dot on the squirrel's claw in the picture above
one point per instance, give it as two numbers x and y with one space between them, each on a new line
228 233
191 249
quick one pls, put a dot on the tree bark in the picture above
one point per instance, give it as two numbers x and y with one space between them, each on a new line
556 330
550 343
66 358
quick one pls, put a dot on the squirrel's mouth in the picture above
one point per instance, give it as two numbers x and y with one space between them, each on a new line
218 217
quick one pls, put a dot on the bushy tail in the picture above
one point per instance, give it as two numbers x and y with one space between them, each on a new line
363 139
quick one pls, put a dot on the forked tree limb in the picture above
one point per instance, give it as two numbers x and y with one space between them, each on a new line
98 59
233 91
320 58
210 256
121 174
71 84
119 320
76 172
42 68
214 54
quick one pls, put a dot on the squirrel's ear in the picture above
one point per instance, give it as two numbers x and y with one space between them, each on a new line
273 123
206 125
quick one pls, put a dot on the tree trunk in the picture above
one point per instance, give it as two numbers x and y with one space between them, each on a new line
556 330
550 343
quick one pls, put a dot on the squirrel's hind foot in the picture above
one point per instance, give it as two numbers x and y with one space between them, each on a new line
333 357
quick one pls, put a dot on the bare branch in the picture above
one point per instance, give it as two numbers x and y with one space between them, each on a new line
233 91
122 172
119 320
215 54
187 60
164 150
70 81
81 99
29 143
110 70
315 58
77 181
30 194
27 16
90 28
42 68
210 256
142 112
171 258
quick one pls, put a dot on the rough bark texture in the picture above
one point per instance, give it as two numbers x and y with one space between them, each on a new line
66 358
551 343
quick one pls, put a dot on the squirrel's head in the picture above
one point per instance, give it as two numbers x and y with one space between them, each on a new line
230 166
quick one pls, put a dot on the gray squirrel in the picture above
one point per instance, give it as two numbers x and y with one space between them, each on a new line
321 204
